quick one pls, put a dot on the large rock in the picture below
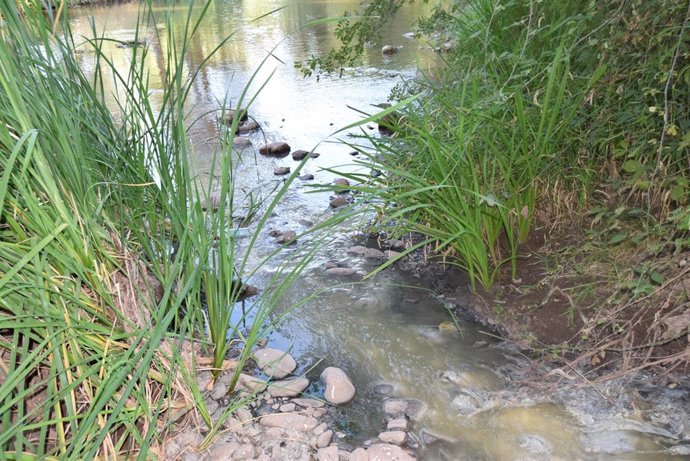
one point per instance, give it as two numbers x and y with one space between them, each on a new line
293 421
274 362
277 149
387 452
288 387
339 388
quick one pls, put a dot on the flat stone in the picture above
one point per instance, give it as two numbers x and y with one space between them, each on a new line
395 408
387 452
224 450
395 437
339 388
252 383
274 362
241 141
328 454
281 170
245 451
308 402
341 271
277 149
338 202
248 127
360 454
289 236
288 407
399 424
323 440
357 250
293 421
373 253
288 387
320 429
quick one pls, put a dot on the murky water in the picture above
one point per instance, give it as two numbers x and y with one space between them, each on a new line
384 334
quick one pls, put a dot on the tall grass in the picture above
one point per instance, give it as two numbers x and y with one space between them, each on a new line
465 162
114 279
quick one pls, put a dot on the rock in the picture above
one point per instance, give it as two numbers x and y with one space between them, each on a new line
318 412
360 454
395 408
375 173
306 177
389 49
288 407
281 170
328 454
354 152
248 127
224 450
383 452
299 155
339 388
343 271
342 182
231 114
394 437
287 237
308 402
277 149
323 440
245 451
390 254
320 429
293 421
399 424
252 383
241 141
288 387
274 362
373 253
384 389
357 250
244 414
302 154
337 202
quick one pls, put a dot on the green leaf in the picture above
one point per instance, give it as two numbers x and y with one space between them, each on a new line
657 277
618 238
632 166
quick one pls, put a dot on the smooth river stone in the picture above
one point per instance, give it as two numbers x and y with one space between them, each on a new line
279 149
387 452
275 363
293 421
288 387
339 388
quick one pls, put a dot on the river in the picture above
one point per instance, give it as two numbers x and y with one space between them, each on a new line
385 333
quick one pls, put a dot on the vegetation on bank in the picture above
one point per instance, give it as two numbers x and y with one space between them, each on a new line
571 118
117 286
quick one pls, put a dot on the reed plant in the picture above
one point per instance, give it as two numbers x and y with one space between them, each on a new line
465 162
116 282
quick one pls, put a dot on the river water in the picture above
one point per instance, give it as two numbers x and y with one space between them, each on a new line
385 333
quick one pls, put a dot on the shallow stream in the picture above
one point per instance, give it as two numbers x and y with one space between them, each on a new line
385 334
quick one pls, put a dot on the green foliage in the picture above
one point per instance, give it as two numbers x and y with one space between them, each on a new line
109 265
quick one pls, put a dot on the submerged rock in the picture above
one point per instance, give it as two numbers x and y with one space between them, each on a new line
338 202
241 141
389 49
281 170
306 177
339 388
274 362
277 149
